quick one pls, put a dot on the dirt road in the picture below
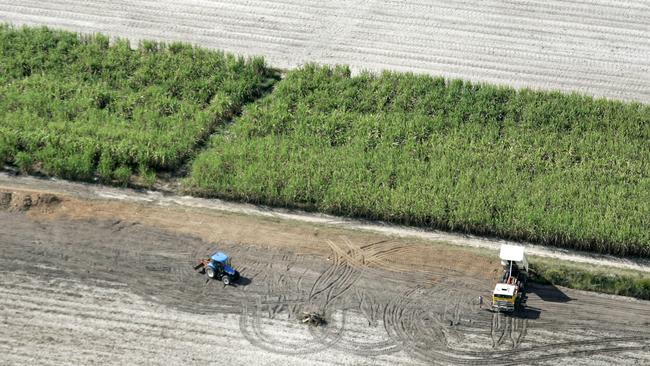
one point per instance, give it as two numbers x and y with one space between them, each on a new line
112 282
156 198
598 47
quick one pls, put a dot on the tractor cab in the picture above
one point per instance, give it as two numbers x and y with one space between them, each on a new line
221 259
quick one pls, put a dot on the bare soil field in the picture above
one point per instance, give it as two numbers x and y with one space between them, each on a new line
90 281
601 48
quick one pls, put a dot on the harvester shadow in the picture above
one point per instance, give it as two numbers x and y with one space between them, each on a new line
549 293
528 312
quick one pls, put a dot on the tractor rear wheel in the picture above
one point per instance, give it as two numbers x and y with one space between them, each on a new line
226 280
210 272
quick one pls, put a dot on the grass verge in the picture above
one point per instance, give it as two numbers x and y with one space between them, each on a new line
598 279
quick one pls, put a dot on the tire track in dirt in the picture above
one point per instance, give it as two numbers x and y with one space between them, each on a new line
63 321
325 291
421 325
355 261
348 264
76 309
432 321
407 321
250 327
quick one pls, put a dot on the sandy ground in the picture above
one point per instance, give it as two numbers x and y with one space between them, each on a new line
93 192
112 282
597 47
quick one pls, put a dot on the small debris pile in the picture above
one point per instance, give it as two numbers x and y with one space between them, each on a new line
312 318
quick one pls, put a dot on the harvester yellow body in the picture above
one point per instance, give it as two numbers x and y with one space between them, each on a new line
510 294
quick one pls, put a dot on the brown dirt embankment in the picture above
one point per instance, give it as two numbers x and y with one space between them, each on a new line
24 201
396 254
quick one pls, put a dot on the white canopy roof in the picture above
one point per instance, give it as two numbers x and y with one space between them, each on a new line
504 289
514 253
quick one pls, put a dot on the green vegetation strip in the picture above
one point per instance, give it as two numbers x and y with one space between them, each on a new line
609 281
550 168
564 170
78 107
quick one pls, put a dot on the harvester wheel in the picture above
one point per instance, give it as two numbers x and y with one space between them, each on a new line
210 272
226 280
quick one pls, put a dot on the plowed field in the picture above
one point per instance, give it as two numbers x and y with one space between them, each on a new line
598 47
98 281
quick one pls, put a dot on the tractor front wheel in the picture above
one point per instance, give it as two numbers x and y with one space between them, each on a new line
210 272
226 280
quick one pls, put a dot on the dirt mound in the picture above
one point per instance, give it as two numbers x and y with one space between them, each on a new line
24 201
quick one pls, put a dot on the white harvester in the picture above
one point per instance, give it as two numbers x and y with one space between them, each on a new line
510 293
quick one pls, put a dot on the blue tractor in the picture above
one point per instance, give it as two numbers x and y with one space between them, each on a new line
218 267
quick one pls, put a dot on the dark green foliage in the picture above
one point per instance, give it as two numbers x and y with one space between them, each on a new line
610 282
551 168
122 175
105 167
80 106
24 162
148 176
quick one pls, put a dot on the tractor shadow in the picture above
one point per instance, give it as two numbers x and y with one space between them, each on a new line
243 282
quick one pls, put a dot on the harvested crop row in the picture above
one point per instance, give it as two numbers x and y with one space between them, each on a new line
551 168
599 47
76 106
